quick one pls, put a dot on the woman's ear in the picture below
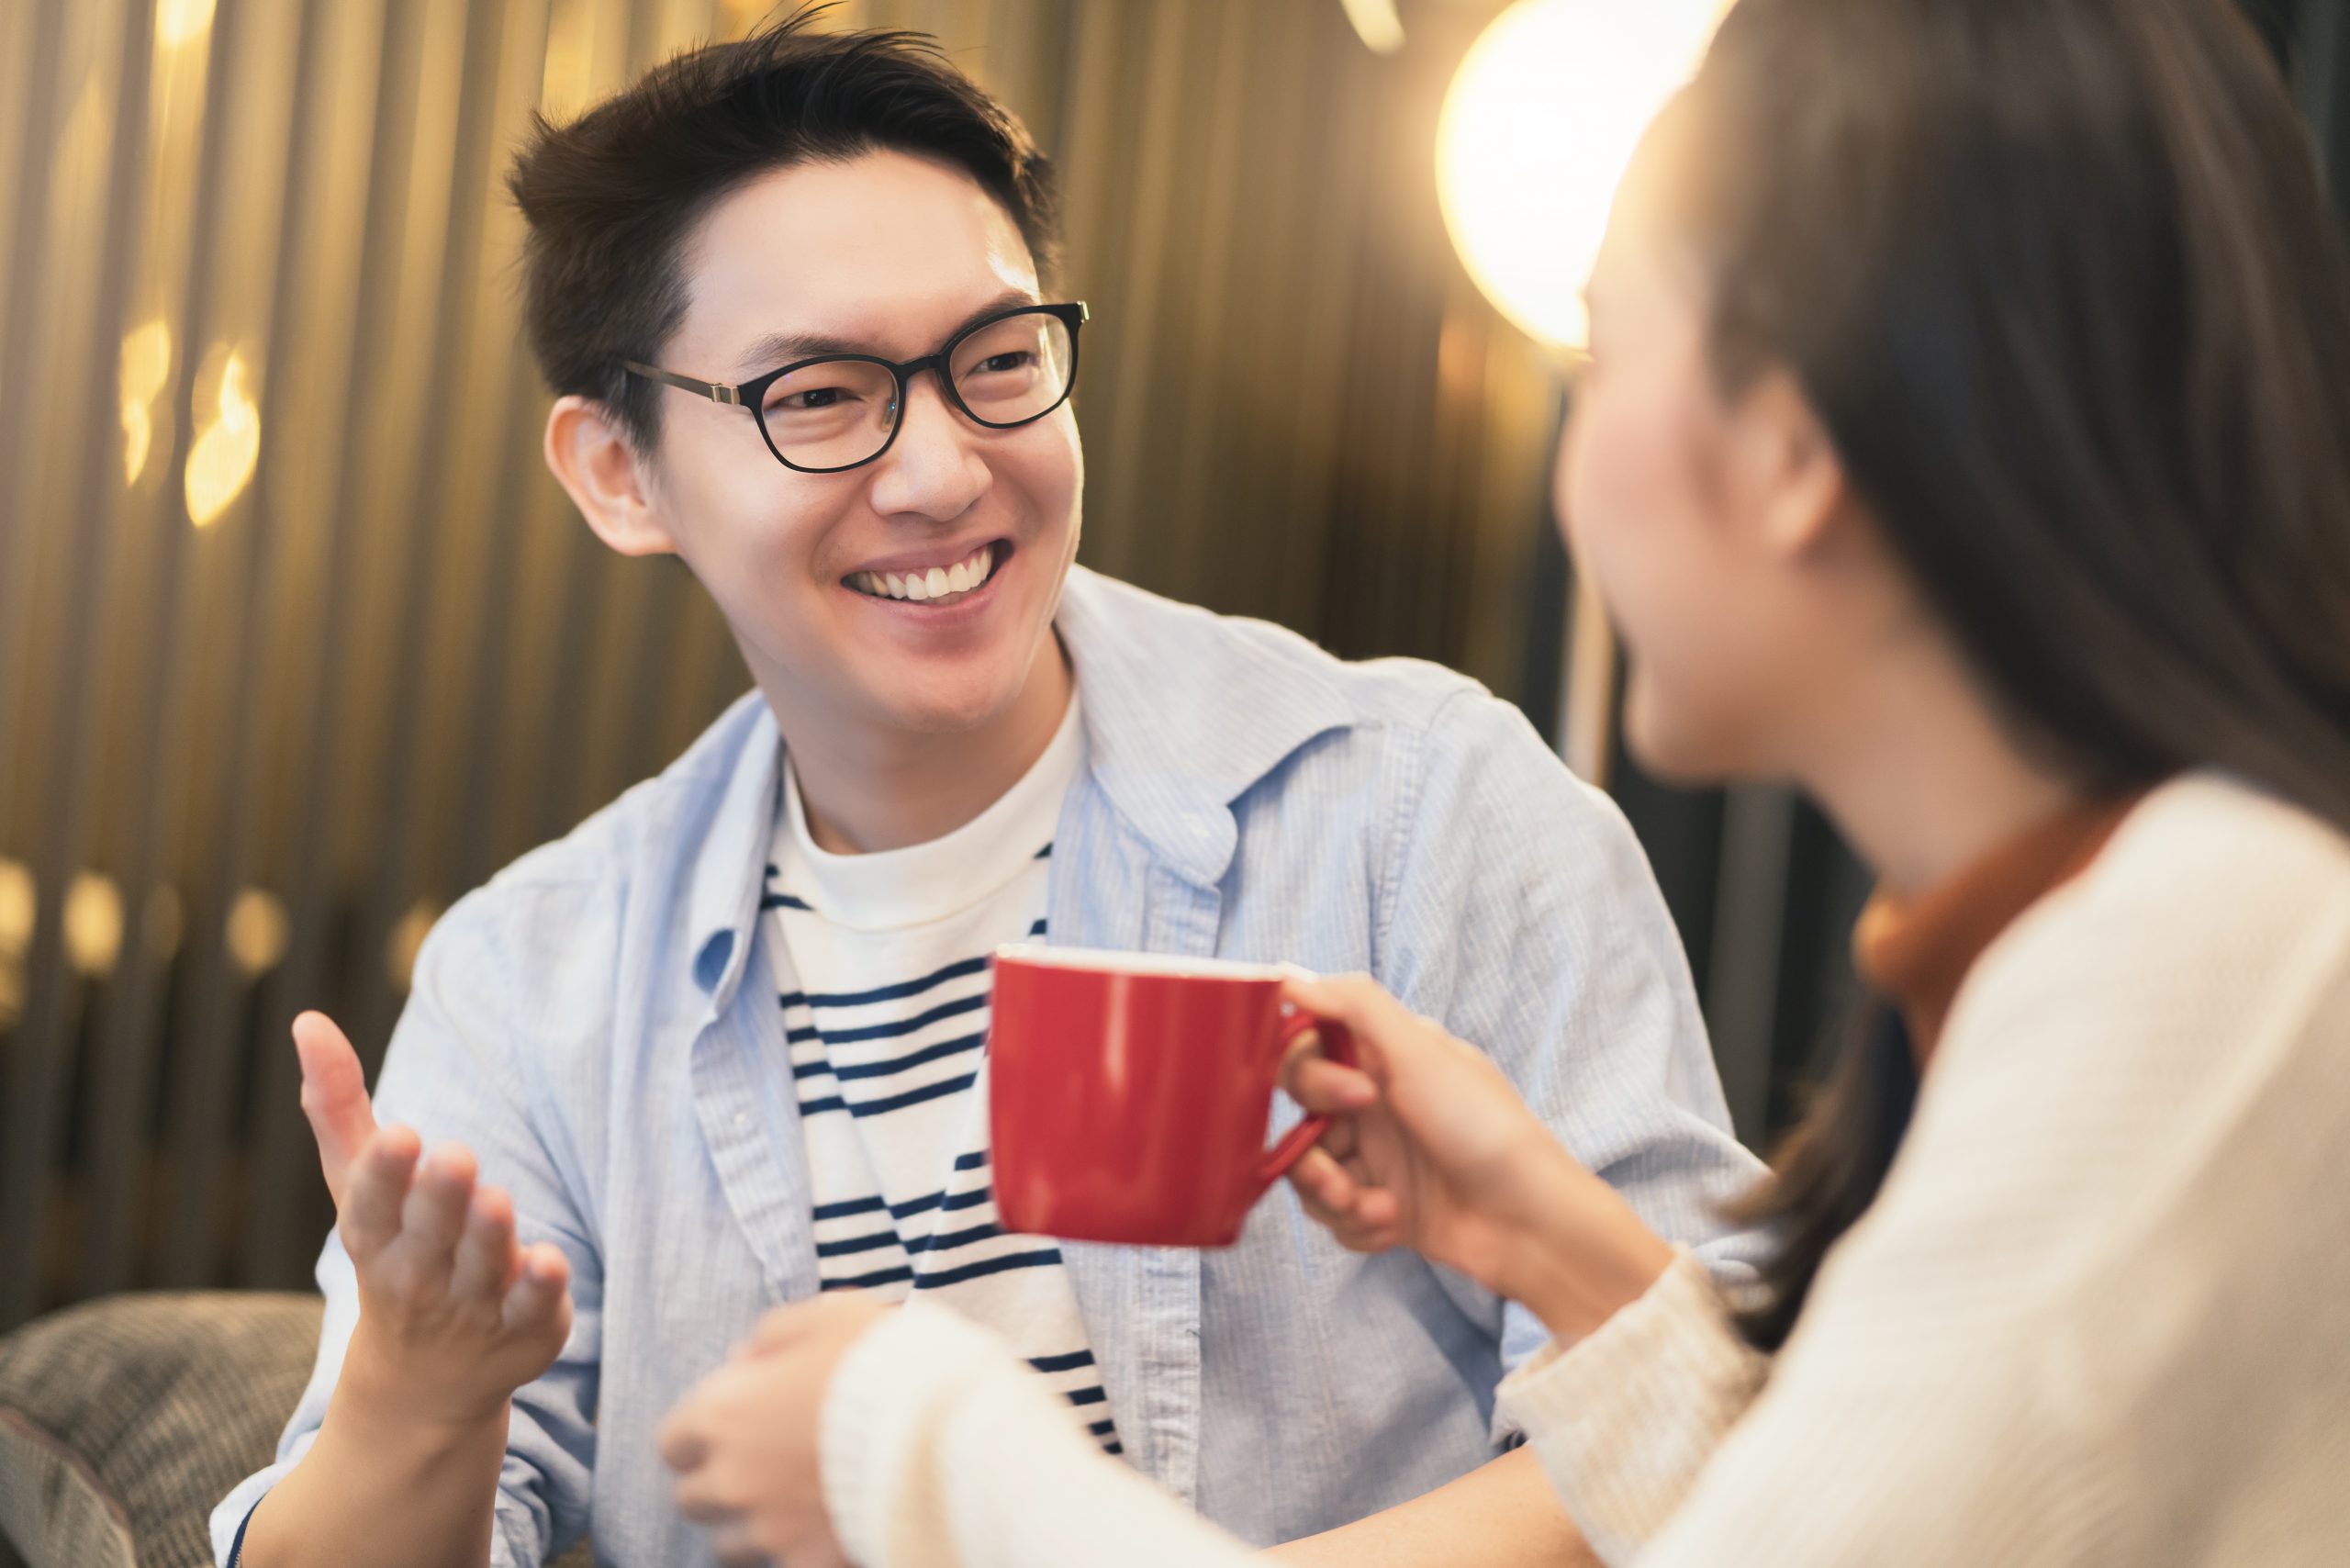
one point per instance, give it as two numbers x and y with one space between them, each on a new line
1792 474
592 458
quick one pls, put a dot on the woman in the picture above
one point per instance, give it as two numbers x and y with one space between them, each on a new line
1968 441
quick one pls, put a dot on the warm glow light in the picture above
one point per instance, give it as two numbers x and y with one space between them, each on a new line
406 941
179 22
222 461
18 903
1537 131
93 923
258 930
137 435
146 366
1376 23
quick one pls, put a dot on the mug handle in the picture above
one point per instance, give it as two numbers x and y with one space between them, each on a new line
1338 1044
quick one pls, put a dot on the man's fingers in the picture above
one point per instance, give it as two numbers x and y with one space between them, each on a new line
334 1097
434 1217
369 1206
486 1255
537 1294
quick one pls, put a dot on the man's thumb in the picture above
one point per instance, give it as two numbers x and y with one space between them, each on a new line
334 1096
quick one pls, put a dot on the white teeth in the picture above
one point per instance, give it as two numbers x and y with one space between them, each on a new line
963 577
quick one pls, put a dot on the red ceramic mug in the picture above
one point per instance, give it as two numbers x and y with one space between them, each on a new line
1128 1093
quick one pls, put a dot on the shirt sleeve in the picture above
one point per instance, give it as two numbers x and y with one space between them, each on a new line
940 1450
455 1071
1526 918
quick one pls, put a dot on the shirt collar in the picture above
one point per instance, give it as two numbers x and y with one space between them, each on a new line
1181 718
722 901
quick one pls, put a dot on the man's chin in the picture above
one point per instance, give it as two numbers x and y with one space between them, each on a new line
953 710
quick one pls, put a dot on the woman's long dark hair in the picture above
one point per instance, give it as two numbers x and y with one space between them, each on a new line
2061 280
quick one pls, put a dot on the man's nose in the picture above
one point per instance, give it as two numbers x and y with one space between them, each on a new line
934 468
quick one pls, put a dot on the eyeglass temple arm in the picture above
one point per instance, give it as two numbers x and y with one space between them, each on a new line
716 391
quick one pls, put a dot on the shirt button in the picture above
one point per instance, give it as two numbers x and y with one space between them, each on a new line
742 1118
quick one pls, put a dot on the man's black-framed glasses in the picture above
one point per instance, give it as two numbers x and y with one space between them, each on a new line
838 411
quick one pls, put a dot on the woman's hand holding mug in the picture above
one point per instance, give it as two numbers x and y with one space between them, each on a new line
1430 1147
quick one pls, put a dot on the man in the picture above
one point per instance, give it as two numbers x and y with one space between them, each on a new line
721 1048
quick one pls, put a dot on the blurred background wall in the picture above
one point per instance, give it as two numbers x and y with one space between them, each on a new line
299 642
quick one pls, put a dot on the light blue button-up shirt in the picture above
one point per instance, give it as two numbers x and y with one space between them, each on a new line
601 1025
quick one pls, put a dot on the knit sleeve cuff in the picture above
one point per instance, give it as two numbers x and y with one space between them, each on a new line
1625 1419
885 1398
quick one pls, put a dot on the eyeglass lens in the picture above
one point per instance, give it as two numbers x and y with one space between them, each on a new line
837 412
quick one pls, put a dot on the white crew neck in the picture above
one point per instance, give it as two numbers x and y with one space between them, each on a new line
896 888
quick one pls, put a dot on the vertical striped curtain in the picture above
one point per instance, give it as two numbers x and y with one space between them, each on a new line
298 640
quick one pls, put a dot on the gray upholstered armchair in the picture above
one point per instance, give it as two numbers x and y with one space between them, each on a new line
122 1421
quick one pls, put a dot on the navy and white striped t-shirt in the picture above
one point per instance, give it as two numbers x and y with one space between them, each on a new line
887 1031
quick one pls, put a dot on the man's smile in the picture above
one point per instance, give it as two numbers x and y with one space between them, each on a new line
943 577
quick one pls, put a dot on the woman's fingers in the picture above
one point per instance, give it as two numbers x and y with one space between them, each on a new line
1323 1186
1380 1022
702 1499
697 1499
779 1328
687 1444
1379 1211
1323 1087
734 1543
684 1440
680 1443
1363 1218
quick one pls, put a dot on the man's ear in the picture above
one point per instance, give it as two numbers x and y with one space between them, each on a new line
593 461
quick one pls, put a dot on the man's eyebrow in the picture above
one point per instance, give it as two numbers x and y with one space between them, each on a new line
776 350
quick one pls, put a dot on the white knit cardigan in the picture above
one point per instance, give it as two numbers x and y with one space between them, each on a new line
2099 1314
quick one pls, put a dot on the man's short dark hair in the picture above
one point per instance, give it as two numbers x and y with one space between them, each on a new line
611 197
